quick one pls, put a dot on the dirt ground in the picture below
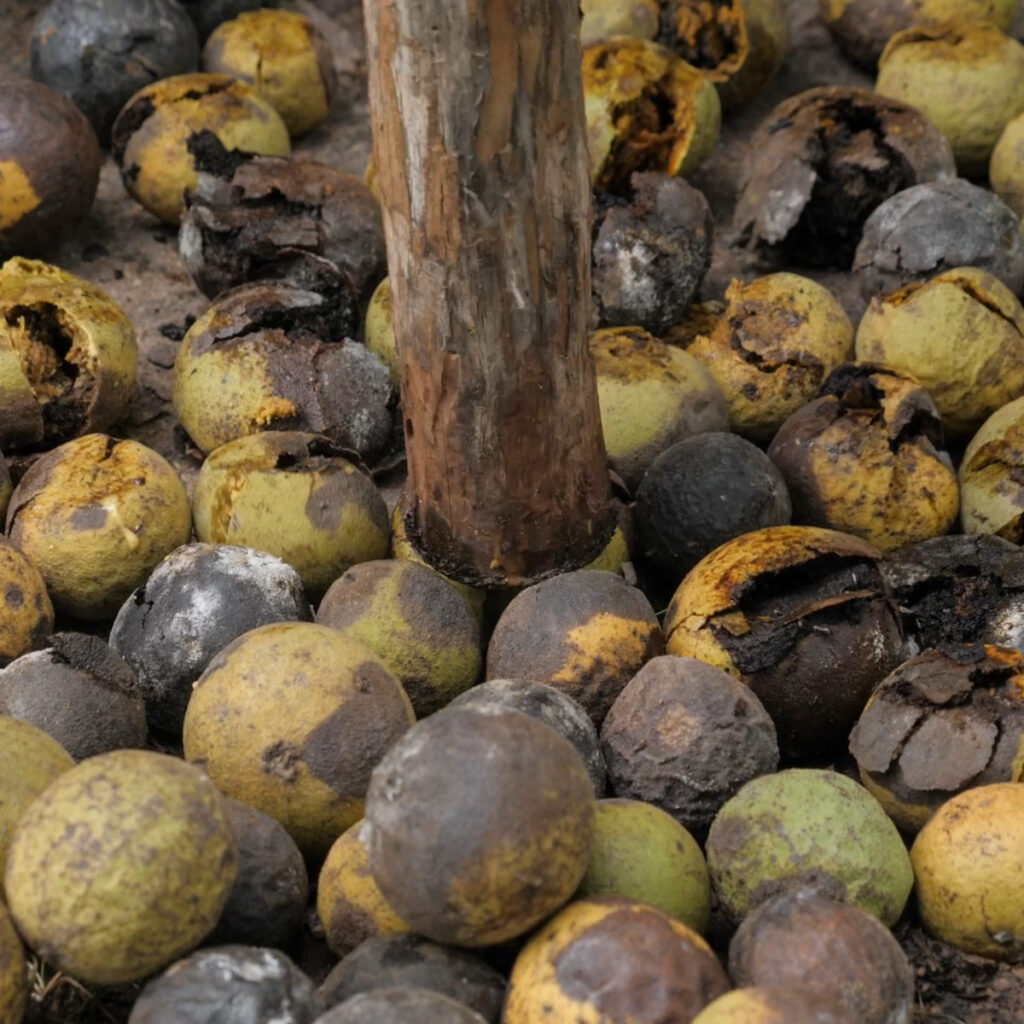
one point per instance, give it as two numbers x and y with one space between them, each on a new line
135 258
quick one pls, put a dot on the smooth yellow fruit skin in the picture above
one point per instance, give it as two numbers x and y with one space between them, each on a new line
95 516
605 18
380 331
1006 167
30 760
350 904
242 498
650 395
968 864
992 500
184 105
121 865
13 972
255 713
968 80
26 613
641 852
961 334
277 53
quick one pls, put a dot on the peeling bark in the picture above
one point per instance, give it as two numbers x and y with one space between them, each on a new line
480 146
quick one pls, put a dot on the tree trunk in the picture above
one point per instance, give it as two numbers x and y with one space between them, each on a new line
480 148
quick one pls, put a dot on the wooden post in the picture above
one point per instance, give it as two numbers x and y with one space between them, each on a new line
480 149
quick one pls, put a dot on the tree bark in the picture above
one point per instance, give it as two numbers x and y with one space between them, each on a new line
480 150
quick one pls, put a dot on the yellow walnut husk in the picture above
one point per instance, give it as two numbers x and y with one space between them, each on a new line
960 334
967 867
121 865
350 904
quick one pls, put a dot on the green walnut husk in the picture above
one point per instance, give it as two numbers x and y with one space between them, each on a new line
603 19
308 767
646 110
1006 168
30 760
739 45
960 334
283 56
641 852
775 1004
991 489
67 356
295 496
150 138
26 613
120 866
968 79
95 516
863 27
651 395
808 826
415 621
768 348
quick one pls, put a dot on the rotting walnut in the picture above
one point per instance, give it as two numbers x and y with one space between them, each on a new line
821 162
68 356
269 356
942 722
739 44
990 475
650 252
956 590
801 615
253 217
866 457
646 110
768 348
931 228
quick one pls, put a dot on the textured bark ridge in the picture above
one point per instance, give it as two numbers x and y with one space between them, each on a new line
480 148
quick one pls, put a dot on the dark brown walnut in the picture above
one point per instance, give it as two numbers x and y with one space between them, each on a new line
268 901
804 939
956 590
269 356
229 985
940 723
250 218
819 165
552 707
479 823
6 486
700 493
80 692
586 633
802 616
938 226
49 167
411 961
685 736
401 1006
867 457
651 252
